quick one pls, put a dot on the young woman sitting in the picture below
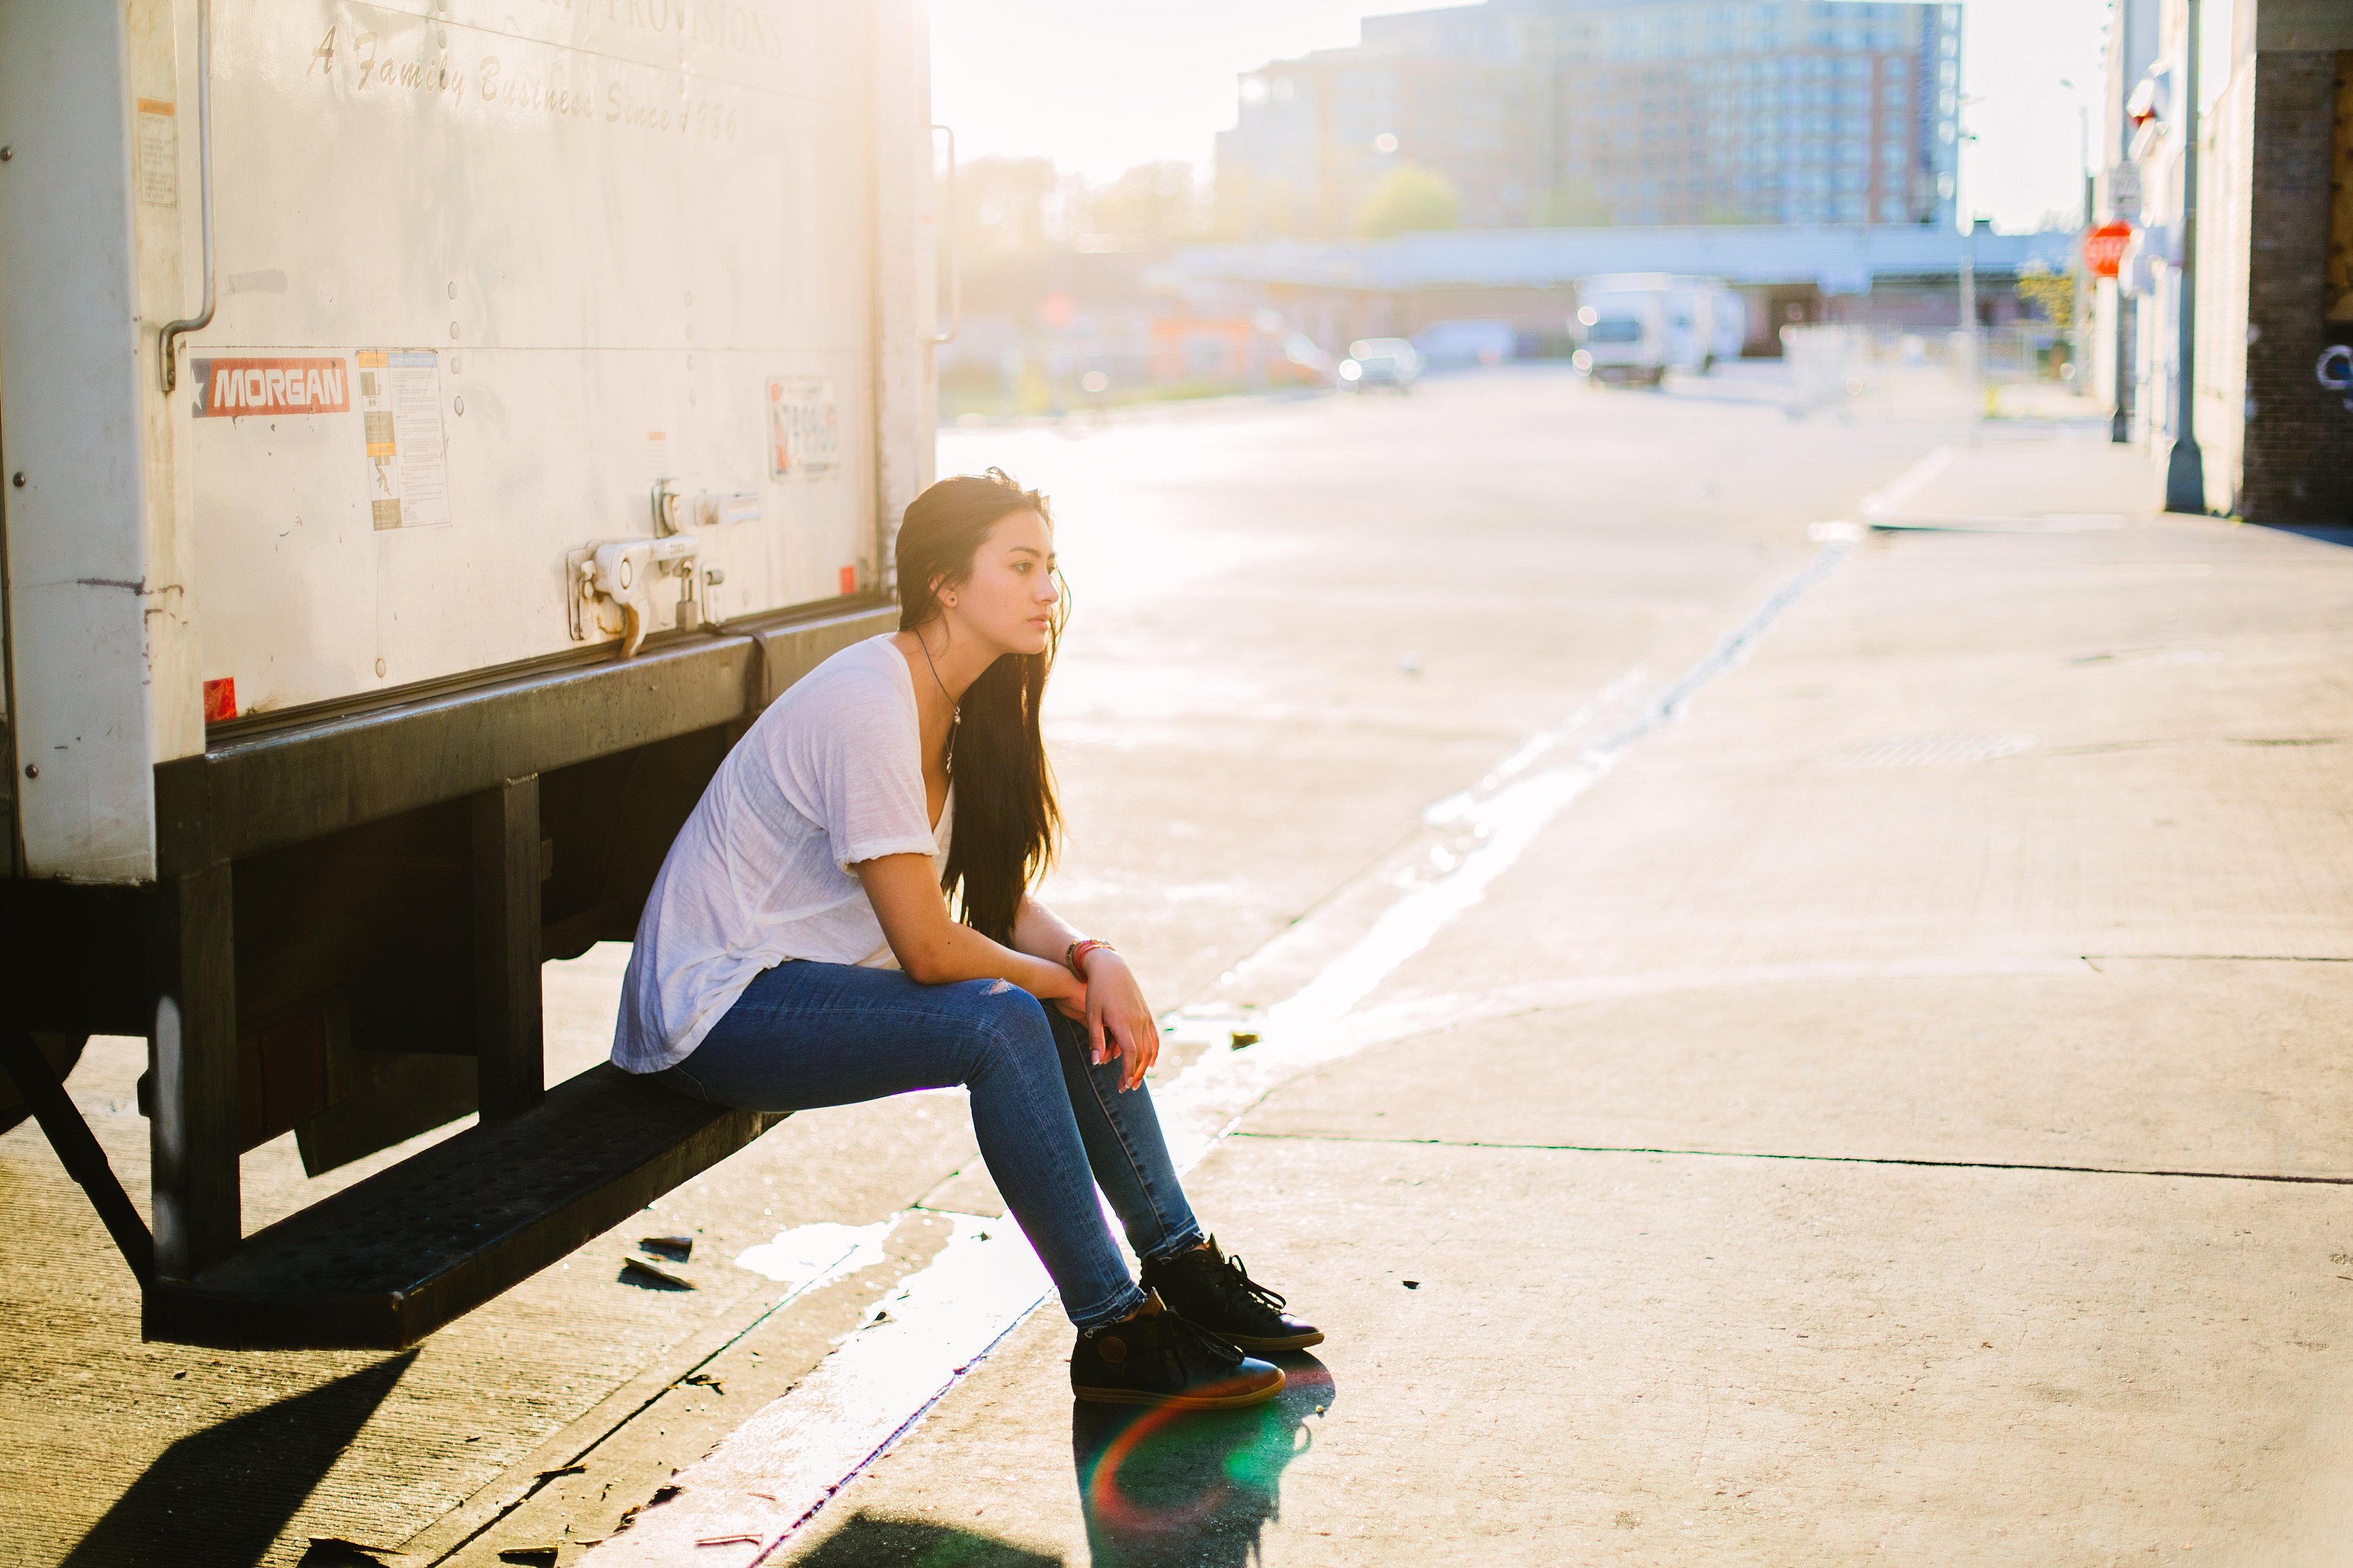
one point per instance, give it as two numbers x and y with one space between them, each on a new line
799 950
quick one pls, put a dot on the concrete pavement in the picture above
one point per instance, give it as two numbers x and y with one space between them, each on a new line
1296 625
1629 1121
1898 1114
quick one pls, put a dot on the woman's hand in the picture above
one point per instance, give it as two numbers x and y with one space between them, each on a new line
1065 991
1107 999
1119 1022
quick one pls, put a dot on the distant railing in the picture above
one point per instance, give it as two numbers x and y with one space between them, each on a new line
1828 365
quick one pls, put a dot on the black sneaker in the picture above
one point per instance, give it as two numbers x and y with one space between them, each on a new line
1208 1288
1158 1358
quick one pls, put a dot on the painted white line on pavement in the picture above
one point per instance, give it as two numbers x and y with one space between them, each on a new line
1886 501
767 1477
1445 1010
780 1467
1504 814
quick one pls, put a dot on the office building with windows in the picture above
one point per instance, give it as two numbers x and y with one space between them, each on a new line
1587 113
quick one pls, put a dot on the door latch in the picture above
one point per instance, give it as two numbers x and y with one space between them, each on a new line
630 588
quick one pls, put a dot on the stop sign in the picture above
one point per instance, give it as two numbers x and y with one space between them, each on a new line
2104 247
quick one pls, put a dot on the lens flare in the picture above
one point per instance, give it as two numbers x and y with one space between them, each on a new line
1169 1472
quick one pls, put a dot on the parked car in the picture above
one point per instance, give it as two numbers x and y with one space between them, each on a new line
1380 361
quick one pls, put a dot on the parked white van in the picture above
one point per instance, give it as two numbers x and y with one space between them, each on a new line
1632 328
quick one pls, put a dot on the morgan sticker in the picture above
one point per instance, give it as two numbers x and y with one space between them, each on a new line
240 388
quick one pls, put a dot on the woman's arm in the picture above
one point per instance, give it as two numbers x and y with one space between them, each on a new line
1113 1003
935 949
1040 932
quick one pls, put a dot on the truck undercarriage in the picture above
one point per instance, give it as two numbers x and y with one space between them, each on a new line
345 944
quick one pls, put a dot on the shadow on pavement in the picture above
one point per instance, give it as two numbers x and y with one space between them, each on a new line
1165 1487
220 1497
2321 532
867 1541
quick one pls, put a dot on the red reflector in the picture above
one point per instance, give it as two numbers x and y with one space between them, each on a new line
850 579
220 700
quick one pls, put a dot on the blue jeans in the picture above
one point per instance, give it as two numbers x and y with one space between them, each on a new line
1052 1126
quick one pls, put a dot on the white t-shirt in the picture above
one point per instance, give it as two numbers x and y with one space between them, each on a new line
831 775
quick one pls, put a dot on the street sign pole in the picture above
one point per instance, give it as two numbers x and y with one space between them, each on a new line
1970 302
2185 469
2120 419
2127 308
2121 415
2079 335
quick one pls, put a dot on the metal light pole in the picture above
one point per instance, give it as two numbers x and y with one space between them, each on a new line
2185 469
2079 313
1969 296
1962 190
2127 308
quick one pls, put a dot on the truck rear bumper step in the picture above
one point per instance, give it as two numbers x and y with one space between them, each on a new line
389 1259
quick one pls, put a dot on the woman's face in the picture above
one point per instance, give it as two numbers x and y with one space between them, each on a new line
1008 601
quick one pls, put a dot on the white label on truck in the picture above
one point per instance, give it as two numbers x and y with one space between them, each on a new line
159 154
804 428
400 421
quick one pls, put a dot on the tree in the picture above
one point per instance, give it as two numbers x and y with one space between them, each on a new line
2051 295
1146 208
1005 207
1410 199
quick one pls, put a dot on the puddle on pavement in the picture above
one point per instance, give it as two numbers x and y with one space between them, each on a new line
808 1256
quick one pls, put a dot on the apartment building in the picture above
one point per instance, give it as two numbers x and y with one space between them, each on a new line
1581 112
1316 135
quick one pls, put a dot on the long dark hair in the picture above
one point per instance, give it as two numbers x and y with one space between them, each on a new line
1008 822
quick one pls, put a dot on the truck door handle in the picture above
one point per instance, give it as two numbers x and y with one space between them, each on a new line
173 331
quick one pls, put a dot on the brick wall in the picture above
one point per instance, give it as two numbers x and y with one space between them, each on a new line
2299 443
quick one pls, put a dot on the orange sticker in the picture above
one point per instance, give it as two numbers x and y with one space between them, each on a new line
220 700
231 388
850 579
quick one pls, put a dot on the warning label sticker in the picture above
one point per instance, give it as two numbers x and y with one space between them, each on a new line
159 154
804 430
241 388
400 420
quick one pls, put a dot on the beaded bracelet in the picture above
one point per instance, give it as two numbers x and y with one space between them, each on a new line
1076 955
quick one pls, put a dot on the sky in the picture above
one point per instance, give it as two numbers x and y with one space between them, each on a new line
1098 86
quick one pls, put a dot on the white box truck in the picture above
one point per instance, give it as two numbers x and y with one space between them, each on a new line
432 430
1632 328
